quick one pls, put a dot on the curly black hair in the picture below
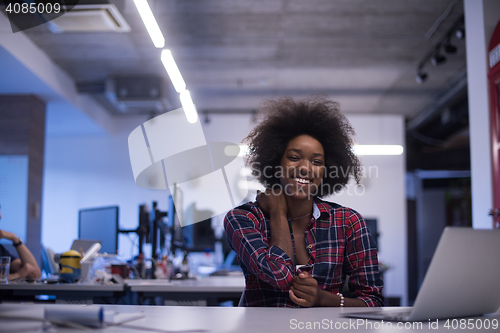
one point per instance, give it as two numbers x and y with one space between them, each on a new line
316 116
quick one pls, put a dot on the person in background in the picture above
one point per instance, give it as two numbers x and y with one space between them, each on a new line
24 266
295 249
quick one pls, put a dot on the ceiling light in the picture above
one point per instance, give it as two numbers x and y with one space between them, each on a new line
378 149
173 71
150 23
421 77
460 33
242 150
438 59
245 172
188 106
251 185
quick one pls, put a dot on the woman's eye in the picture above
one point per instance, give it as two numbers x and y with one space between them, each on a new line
317 162
293 158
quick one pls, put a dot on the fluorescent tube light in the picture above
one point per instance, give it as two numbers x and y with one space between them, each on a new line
150 23
173 71
188 106
378 149
246 171
251 185
233 151
244 150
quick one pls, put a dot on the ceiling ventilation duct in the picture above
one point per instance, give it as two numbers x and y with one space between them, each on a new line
135 95
90 18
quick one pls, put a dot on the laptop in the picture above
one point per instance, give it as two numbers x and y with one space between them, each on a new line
84 244
462 279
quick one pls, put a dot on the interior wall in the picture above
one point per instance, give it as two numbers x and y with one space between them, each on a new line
22 133
86 171
431 223
382 196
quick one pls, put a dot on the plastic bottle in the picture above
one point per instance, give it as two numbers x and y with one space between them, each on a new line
185 266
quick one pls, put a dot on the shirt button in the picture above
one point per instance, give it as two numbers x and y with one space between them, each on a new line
309 246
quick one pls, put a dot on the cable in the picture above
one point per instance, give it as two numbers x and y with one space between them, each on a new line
440 19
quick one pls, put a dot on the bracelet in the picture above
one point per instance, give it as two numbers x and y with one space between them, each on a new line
18 243
341 299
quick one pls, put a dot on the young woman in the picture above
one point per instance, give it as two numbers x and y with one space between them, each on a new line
302 151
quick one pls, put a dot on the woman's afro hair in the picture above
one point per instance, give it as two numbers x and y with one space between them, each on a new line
316 116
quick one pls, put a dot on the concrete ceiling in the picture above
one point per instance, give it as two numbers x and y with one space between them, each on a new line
234 53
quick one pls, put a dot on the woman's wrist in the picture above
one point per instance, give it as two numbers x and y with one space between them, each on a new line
323 298
326 298
279 214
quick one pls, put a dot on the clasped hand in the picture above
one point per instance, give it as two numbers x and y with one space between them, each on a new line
304 290
270 202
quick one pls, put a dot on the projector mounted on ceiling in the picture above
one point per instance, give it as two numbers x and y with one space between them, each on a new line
90 18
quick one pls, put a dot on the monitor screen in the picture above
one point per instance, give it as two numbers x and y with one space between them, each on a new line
100 224
372 228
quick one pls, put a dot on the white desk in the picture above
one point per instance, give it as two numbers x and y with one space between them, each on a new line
210 289
215 284
243 320
63 291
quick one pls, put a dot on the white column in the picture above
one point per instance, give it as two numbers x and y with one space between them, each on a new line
477 71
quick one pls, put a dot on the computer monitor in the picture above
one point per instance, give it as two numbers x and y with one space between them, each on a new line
199 236
100 224
373 229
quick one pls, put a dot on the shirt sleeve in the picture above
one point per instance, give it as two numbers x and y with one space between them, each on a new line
269 263
361 262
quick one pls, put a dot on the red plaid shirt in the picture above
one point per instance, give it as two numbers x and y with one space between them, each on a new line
338 243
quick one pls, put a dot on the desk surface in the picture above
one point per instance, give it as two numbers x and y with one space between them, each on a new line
214 284
220 319
209 289
210 284
39 286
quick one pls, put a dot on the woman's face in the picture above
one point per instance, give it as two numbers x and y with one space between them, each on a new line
302 167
